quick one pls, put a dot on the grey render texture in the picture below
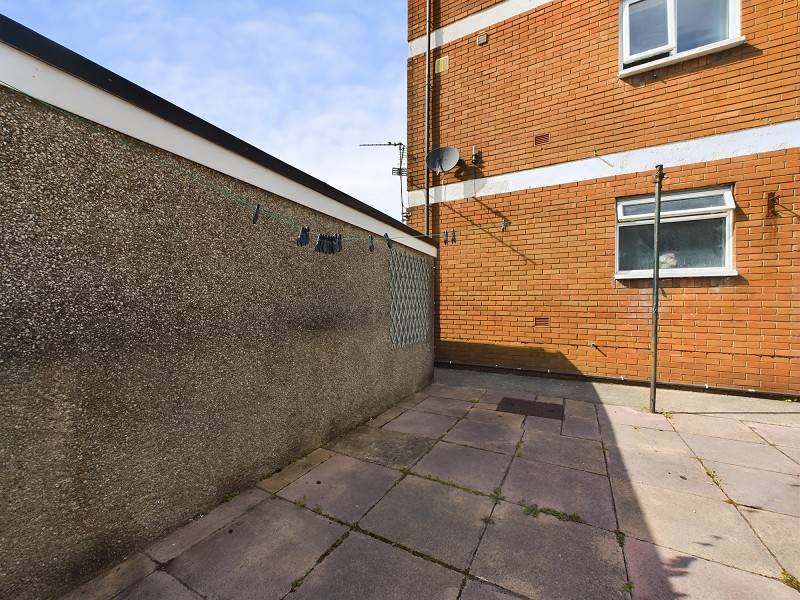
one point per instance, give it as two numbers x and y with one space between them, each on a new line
157 349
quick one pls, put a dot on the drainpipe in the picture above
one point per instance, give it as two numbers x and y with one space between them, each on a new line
427 114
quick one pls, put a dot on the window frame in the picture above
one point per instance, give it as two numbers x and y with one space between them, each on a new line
694 214
625 59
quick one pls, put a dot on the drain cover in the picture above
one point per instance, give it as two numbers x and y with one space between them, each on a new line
531 408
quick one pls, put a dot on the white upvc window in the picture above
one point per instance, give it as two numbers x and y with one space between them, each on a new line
695 235
668 30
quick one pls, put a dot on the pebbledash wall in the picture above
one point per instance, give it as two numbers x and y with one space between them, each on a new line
564 132
158 350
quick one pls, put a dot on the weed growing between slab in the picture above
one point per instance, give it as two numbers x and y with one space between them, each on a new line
301 503
447 482
231 495
790 580
489 520
297 583
534 510
628 585
497 495
714 479
317 509
620 535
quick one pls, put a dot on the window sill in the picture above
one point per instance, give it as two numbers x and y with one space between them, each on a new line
676 273
683 56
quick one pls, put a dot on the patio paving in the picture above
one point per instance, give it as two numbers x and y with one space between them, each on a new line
442 496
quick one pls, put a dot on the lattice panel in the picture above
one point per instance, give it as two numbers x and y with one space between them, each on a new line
410 288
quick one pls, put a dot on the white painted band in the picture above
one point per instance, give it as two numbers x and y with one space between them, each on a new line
473 24
61 89
746 142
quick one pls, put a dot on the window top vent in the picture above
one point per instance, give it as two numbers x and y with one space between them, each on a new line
541 321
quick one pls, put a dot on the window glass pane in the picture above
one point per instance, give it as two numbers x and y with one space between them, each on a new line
701 22
682 245
647 25
667 205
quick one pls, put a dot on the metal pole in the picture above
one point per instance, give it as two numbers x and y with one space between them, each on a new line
427 114
654 333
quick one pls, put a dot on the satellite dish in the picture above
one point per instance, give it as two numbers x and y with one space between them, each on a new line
442 159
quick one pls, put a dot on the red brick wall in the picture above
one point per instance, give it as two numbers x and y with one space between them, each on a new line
555 70
443 12
557 260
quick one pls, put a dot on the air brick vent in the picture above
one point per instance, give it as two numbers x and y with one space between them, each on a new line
541 321
540 139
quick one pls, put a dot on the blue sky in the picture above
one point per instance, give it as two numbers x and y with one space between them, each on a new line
304 80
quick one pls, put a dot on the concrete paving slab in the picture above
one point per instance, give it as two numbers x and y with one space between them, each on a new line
574 408
392 449
658 572
692 524
777 434
495 396
478 590
456 392
342 487
488 436
545 558
363 567
669 471
386 416
548 399
437 520
114 581
581 427
294 471
567 490
552 426
780 533
432 389
412 400
171 545
778 492
586 455
730 429
745 454
630 416
259 555
444 406
422 424
479 413
158 586
793 453
471 467
655 440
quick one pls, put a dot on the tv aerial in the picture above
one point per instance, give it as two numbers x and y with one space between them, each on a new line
398 171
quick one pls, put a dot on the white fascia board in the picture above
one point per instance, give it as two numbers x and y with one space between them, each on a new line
746 142
44 82
474 23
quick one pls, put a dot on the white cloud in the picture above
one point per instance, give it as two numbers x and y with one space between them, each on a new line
307 80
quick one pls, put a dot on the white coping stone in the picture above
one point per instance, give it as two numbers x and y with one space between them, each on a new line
745 142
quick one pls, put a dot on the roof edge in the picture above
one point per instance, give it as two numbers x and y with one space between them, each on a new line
46 50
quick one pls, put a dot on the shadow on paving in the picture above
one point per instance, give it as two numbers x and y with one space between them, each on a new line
446 495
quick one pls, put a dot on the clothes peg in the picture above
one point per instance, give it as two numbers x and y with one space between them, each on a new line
446 241
504 225
371 243
388 240
318 247
453 236
258 211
